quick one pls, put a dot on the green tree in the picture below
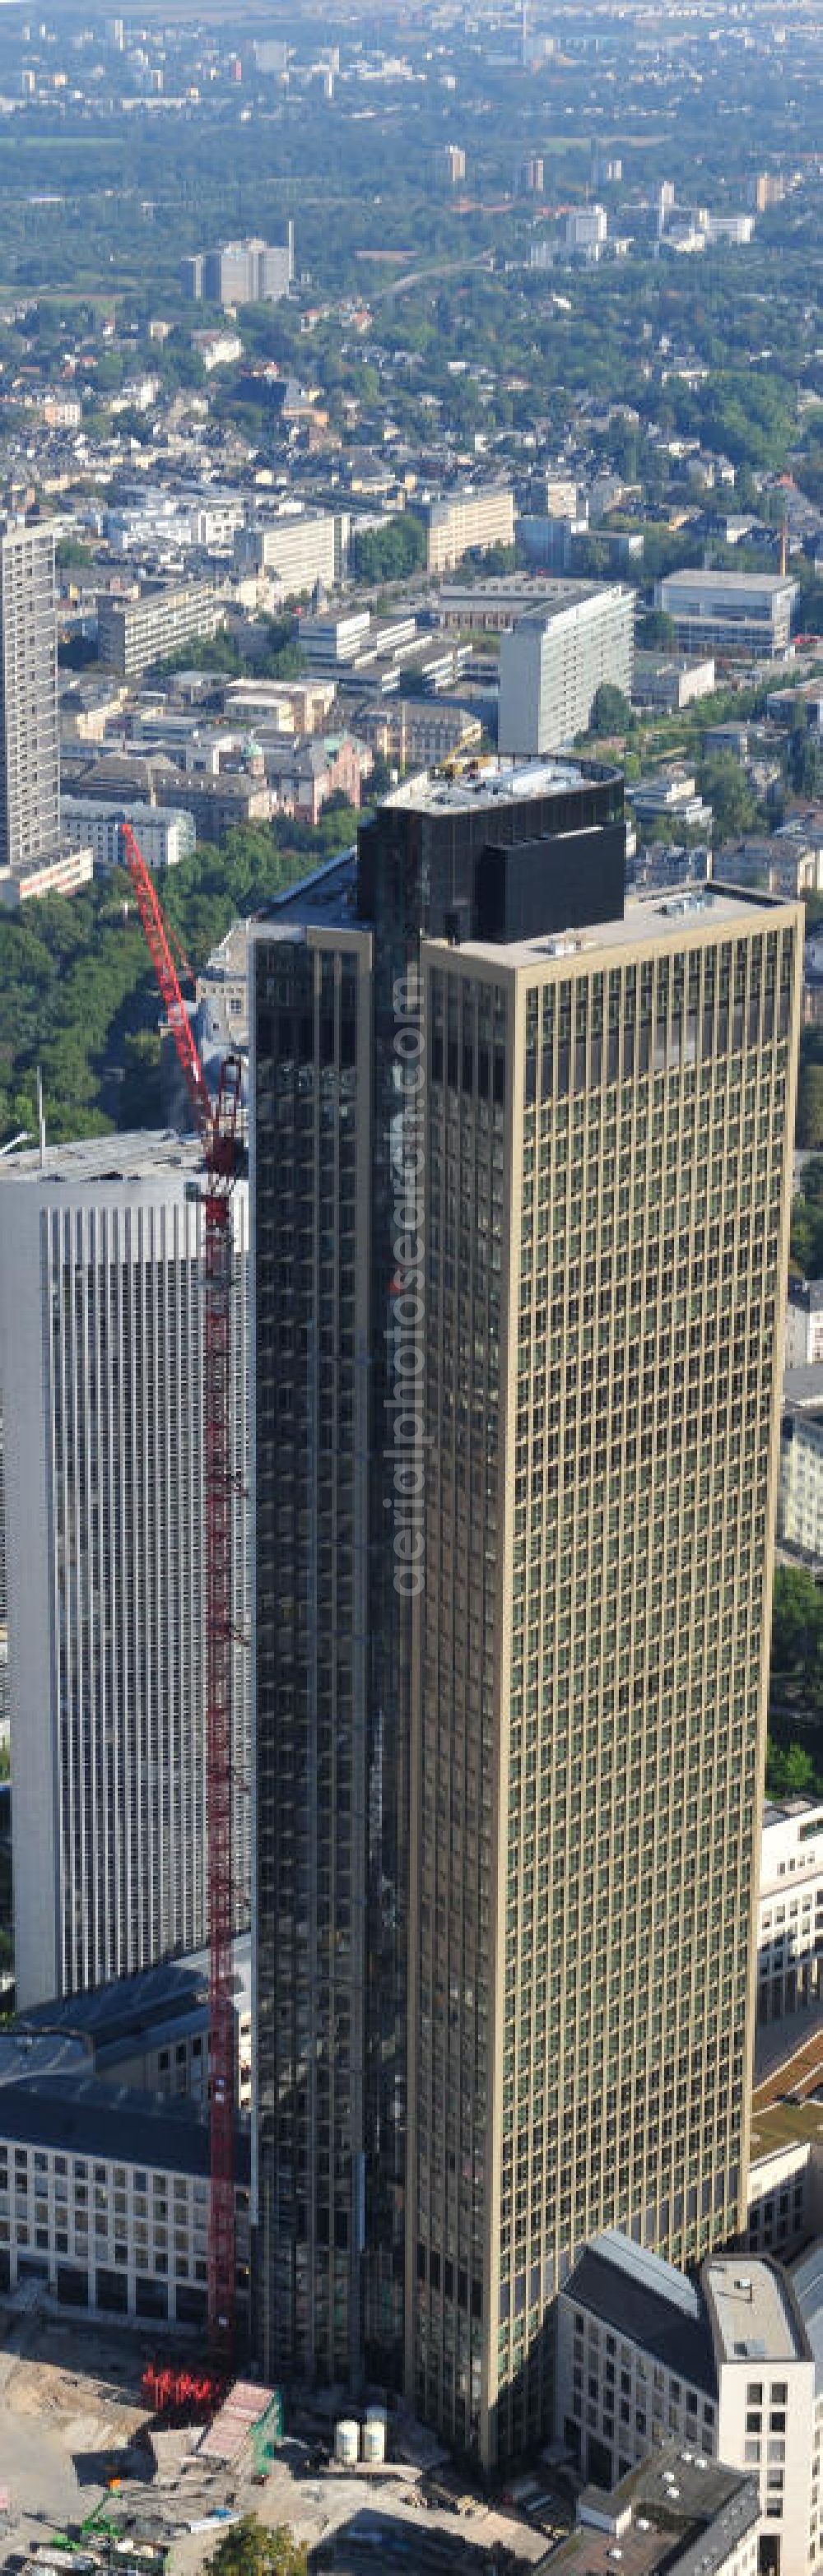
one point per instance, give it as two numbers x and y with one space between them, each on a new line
797 1643
248 2548
805 762
390 553
790 1771
726 789
809 1129
655 630
70 551
611 711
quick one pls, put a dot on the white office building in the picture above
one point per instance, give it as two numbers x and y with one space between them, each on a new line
164 833
299 550
553 662
586 230
727 2366
732 613
104 2190
101 1387
790 1909
804 1323
800 1491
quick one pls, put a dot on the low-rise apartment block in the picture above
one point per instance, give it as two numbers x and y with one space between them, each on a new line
63 873
279 706
302 777
669 682
217 802
135 632
671 796
783 863
413 734
299 550
461 521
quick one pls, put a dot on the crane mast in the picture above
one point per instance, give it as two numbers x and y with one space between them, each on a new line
218 1125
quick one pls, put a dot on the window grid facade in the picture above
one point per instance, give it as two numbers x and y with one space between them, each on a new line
112 2235
312 1162
603 1328
101 1303
29 754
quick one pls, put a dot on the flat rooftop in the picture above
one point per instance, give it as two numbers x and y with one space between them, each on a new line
754 2318
536 590
492 781
783 2124
803 1387
141 1157
686 2512
327 899
744 583
654 916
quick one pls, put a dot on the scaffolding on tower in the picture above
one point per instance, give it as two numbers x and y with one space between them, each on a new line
218 1126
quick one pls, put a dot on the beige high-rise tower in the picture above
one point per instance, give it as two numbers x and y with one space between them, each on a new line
607 1143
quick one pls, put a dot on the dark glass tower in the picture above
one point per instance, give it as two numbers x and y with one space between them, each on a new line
501 853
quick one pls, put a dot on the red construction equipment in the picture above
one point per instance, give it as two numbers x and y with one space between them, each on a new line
217 1123
167 2389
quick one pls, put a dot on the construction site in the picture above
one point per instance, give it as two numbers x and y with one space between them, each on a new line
108 2461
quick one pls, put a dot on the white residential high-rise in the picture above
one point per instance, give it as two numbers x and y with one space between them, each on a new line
555 659
101 1386
29 755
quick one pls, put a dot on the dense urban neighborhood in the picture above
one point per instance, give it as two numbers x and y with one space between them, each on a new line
411 1289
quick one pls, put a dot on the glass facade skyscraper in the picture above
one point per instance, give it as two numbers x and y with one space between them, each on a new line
333 1633
520 1189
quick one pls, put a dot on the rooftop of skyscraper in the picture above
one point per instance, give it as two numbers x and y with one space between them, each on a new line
645 918
492 781
97 1159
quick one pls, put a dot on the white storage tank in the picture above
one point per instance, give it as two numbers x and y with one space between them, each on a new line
374 2437
347 2442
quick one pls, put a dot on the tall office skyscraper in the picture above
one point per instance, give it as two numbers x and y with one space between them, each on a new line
102 1400
29 748
333 1629
521 1188
608 1175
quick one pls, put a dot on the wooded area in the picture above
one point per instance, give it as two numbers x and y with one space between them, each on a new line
77 990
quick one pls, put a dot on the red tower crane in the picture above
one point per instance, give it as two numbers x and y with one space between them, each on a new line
218 1126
